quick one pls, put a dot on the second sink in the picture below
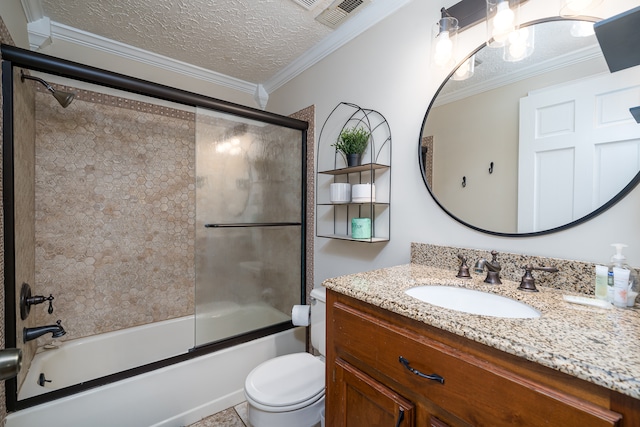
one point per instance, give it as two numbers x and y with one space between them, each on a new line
473 302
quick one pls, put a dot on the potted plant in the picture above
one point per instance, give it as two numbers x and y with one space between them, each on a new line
352 143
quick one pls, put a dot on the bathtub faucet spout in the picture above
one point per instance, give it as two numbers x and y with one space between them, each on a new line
56 330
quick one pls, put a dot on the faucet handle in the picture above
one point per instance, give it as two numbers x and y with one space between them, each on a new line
527 283
463 272
50 309
493 270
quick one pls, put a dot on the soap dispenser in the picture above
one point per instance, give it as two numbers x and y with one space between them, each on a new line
625 279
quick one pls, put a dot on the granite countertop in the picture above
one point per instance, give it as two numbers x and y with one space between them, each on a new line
598 345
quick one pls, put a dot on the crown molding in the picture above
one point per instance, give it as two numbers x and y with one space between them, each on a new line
374 13
32 9
368 17
542 67
112 47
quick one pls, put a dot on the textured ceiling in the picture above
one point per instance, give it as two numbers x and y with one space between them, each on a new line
247 39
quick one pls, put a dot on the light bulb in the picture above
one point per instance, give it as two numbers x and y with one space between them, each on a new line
517 49
520 36
519 45
443 50
463 70
503 20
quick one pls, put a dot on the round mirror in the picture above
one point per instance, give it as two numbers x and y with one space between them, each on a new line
532 139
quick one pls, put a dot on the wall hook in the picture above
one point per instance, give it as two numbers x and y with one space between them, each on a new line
464 181
491 167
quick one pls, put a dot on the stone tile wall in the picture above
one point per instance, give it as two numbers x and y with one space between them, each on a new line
309 114
115 212
24 172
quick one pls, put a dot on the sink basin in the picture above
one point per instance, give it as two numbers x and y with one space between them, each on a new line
473 302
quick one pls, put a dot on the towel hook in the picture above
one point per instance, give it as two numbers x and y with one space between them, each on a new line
464 181
491 168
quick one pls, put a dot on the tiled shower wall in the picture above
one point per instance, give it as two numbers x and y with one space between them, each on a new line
115 212
309 115
24 171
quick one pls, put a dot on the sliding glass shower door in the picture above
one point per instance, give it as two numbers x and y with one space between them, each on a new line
249 225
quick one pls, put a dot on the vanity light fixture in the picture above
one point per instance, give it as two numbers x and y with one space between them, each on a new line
572 8
502 20
519 44
465 70
501 17
445 40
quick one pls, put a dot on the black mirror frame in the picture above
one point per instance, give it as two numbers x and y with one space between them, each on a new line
622 194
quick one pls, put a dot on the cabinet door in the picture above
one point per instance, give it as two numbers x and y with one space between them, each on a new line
434 422
361 401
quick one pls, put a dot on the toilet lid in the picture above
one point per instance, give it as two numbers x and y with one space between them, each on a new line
286 380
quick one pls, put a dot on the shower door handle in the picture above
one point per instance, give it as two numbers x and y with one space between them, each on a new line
254 224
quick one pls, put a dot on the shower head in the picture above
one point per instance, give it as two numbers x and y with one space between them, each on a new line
64 98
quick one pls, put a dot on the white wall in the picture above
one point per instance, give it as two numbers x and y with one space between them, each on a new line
13 17
387 69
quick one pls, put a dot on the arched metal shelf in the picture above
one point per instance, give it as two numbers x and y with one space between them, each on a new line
333 220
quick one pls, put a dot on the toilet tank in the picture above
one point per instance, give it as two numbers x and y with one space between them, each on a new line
318 319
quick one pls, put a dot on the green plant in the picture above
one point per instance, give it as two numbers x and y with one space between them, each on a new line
352 141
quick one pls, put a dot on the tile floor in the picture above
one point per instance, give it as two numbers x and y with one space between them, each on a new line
232 417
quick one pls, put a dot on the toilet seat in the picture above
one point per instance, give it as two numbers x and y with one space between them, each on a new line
304 384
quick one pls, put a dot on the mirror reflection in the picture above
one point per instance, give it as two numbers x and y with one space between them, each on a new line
529 146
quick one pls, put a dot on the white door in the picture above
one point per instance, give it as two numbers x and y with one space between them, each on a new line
579 146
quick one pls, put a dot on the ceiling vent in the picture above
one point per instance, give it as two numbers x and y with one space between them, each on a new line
307 4
339 11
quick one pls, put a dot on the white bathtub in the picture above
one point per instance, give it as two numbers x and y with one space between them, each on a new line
176 395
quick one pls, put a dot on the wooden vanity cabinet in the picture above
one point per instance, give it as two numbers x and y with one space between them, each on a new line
380 363
367 402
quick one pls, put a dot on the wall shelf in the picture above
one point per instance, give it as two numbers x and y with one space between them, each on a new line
333 220
353 169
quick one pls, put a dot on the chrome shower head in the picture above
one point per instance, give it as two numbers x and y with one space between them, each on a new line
64 98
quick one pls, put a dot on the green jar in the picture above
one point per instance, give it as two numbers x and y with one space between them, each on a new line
361 228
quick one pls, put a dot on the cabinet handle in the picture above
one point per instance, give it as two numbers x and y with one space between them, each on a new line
433 377
400 417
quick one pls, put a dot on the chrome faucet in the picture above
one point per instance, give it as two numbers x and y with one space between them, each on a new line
56 330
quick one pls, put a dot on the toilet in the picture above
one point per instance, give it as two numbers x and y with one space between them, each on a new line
289 390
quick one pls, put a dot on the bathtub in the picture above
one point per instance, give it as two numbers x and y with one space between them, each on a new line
176 395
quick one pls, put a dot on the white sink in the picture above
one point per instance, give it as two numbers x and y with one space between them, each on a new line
473 302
